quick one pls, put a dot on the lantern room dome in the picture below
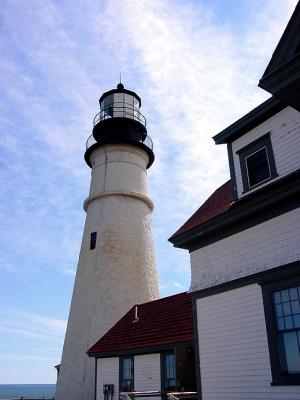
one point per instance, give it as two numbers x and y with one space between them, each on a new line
120 121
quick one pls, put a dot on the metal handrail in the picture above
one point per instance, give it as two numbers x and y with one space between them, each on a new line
131 395
176 395
147 141
120 110
170 395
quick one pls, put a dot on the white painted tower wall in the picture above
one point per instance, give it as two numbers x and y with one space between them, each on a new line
119 272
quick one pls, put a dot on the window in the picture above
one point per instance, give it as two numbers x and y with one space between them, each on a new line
257 162
282 311
126 374
168 371
93 240
287 316
258 167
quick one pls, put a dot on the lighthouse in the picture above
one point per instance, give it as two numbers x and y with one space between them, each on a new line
116 267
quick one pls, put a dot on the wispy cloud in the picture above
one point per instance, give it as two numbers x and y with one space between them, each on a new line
29 339
197 77
20 357
69 271
173 287
32 325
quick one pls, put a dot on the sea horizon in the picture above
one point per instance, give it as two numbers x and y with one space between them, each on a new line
11 391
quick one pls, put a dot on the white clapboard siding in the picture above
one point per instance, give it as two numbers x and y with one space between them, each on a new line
147 373
107 373
284 128
267 245
234 355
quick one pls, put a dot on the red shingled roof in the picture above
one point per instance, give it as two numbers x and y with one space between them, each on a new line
219 202
160 322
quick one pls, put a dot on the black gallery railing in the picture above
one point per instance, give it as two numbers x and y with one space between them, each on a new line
147 141
120 110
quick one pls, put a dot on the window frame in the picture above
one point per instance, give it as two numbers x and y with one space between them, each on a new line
278 378
245 152
163 356
121 371
93 240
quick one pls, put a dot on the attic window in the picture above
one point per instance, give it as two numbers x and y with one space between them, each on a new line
258 167
93 240
257 162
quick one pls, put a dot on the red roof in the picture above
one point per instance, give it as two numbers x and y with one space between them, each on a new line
160 322
219 202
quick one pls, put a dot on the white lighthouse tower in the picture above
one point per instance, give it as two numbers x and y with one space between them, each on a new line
116 267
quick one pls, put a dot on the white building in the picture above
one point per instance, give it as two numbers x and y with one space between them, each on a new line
150 349
244 244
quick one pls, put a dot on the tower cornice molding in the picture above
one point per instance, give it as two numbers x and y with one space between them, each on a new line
135 195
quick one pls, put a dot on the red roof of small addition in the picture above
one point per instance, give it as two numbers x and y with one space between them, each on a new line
219 202
160 322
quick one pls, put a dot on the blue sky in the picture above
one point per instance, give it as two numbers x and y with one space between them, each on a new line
195 65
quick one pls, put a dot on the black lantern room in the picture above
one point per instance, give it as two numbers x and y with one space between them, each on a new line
120 121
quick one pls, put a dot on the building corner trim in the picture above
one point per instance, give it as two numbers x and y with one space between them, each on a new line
197 348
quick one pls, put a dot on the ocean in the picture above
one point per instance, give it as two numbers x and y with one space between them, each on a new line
9 392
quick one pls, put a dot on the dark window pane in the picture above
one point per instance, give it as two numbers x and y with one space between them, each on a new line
297 320
294 294
288 323
169 372
279 312
287 309
280 323
285 295
295 306
258 167
93 240
277 297
292 352
127 374
127 386
170 366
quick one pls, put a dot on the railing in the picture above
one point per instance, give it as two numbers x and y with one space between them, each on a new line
147 142
132 395
170 395
178 395
120 110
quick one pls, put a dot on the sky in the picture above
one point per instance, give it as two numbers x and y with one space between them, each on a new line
194 63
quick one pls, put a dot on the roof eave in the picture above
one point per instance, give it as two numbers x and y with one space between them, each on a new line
286 45
249 121
241 210
140 350
284 83
184 239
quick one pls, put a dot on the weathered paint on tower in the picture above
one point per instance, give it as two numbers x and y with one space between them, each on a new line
120 271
